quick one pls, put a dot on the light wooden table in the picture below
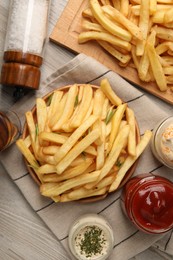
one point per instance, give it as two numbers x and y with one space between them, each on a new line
23 235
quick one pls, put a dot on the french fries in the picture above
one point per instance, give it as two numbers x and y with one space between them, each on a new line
84 153
125 28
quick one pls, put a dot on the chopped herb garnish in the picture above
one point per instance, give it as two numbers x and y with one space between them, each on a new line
109 115
49 100
33 167
83 155
92 242
119 163
36 131
76 101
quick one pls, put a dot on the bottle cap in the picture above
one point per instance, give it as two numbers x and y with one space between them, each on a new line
20 75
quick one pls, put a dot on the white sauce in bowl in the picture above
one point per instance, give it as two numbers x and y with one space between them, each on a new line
91 238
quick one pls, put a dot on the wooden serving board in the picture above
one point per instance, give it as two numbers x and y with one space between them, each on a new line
66 32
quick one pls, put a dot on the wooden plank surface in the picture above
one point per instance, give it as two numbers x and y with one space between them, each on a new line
66 32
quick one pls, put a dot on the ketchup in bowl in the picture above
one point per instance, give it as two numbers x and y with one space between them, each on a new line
148 202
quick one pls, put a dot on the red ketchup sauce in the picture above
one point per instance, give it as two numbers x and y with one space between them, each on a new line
148 202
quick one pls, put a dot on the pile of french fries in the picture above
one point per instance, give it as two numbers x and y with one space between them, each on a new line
81 141
138 33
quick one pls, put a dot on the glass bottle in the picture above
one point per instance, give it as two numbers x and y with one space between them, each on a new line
25 38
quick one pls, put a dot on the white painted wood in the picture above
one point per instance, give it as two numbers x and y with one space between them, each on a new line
23 235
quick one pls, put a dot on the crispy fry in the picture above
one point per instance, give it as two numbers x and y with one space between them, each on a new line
124 58
118 16
156 67
104 36
107 90
83 107
119 144
132 134
116 120
69 107
76 150
107 23
144 26
53 137
130 160
41 110
55 189
72 140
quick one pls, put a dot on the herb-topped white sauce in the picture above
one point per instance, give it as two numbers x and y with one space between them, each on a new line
167 144
91 238
91 242
162 141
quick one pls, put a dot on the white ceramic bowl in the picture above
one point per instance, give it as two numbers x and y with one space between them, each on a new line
156 141
91 227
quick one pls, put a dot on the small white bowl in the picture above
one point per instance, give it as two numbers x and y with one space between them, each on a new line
156 141
95 226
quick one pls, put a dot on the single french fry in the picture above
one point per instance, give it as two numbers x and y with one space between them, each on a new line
168 16
41 110
156 67
56 116
144 26
54 104
119 16
110 94
27 154
116 4
116 120
130 160
27 141
67 174
158 17
87 25
103 183
55 189
153 6
164 33
107 23
132 134
72 140
124 58
31 159
119 144
98 102
82 193
124 7
100 159
104 36
46 169
83 107
50 149
53 137
77 150
143 69
69 107
33 131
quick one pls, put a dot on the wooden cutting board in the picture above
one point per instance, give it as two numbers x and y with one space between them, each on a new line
66 32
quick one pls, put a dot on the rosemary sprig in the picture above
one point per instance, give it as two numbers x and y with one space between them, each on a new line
36 132
49 100
109 115
76 101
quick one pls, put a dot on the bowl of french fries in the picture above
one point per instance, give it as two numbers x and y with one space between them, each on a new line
81 142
